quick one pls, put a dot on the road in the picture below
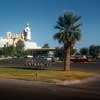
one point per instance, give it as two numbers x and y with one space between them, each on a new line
11 89
58 66
92 66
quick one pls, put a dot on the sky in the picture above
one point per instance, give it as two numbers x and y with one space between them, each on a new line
42 16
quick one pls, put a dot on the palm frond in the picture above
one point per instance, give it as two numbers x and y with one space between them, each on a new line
60 21
75 19
74 27
58 27
69 28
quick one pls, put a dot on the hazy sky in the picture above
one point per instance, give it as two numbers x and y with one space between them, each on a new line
42 16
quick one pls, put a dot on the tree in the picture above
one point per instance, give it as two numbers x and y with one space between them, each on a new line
73 51
46 45
84 51
20 45
5 51
11 50
69 32
92 51
59 53
1 51
20 48
45 52
97 50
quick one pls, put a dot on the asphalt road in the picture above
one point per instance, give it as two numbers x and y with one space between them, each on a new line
88 65
27 90
92 66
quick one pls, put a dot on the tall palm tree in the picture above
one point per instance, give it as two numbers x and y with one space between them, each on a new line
69 32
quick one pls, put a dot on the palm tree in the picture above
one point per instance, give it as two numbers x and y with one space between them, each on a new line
69 32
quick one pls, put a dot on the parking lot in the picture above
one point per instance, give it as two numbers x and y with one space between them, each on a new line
43 64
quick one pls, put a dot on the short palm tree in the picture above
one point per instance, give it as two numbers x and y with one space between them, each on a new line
69 32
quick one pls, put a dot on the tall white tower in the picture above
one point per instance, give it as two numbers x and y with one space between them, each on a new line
27 33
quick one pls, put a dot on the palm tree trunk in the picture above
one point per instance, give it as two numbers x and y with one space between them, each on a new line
67 58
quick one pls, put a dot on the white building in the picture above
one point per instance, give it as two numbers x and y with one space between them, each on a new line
12 39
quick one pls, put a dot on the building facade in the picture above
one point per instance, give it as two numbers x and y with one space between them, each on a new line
25 36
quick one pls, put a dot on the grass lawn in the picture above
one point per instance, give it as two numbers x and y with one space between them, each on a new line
43 75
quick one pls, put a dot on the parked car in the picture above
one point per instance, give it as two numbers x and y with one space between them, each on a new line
81 59
45 58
